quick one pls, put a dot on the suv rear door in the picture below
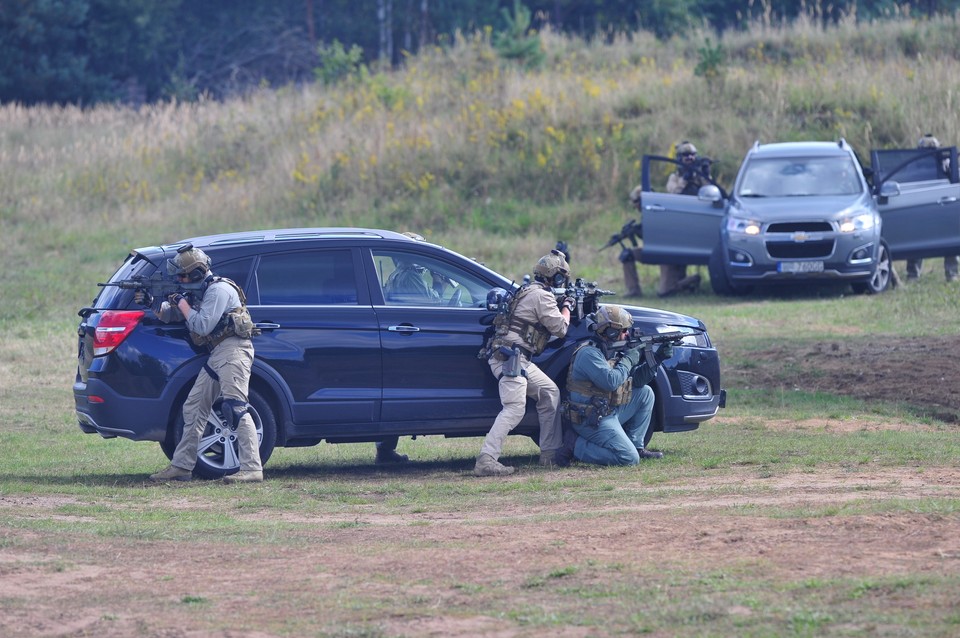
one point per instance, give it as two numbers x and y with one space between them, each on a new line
677 229
924 219
320 334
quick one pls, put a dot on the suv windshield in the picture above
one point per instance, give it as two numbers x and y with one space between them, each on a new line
799 177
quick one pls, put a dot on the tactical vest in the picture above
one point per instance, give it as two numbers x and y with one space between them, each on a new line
534 335
234 323
601 403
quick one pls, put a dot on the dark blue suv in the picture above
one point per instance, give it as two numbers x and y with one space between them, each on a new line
338 360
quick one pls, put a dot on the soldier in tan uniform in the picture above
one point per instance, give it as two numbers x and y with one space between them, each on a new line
522 332
217 318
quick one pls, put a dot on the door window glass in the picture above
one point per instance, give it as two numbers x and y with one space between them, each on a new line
410 279
322 277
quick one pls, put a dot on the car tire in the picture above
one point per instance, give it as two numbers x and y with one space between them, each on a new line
718 276
211 462
880 281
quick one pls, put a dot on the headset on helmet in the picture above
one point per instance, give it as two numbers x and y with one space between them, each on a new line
610 321
189 261
553 269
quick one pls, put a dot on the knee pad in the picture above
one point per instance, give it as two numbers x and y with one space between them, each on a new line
233 410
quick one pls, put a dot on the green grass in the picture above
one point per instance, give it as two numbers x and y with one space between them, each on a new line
497 165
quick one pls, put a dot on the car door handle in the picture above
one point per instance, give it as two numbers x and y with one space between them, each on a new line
947 200
267 326
406 328
653 207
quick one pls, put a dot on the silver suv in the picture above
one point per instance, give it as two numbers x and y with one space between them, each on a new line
808 211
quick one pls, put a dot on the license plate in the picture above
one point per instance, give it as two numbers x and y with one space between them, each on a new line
800 266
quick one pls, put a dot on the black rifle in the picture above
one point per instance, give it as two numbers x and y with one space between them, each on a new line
637 339
632 231
586 294
699 168
158 287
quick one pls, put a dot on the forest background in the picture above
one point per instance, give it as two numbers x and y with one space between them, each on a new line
139 51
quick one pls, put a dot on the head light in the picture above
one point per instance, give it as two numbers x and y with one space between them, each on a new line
743 226
863 221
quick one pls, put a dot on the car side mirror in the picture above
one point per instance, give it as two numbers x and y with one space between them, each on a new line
889 189
709 193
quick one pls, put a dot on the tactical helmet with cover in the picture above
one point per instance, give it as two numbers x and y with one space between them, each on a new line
189 261
553 269
686 148
928 141
610 321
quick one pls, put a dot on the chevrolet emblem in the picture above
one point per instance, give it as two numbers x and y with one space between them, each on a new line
800 237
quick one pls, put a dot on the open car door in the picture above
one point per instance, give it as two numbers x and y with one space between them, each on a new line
924 219
677 229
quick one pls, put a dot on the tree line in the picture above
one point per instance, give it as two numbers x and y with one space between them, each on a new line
135 51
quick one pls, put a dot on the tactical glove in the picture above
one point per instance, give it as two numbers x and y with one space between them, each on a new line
174 299
569 303
665 352
632 357
143 298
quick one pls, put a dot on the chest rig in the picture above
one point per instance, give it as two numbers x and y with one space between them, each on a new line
234 323
601 403
533 335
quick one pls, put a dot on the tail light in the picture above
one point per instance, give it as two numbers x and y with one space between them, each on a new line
113 328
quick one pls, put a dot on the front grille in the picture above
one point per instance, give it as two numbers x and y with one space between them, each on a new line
805 227
800 250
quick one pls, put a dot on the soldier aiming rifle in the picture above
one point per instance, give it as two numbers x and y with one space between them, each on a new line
692 173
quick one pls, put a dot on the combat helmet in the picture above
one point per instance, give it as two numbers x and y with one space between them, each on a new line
685 148
552 269
609 321
928 141
189 261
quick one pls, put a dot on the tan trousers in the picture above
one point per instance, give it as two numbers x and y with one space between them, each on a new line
513 395
232 361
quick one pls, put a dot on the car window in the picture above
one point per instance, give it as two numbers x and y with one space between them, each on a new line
411 279
923 167
238 271
313 277
800 177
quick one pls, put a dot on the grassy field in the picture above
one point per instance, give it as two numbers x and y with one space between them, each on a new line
796 513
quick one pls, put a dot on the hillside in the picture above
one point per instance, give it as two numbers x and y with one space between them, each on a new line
469 150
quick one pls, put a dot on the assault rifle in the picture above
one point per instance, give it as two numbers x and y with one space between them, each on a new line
631 230
637 339
586 294
157 286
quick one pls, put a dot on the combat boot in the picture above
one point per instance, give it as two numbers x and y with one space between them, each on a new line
649 454
565 453
172 473
489 466
548 458
386 457
244 476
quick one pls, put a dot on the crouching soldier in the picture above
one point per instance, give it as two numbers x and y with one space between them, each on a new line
607 402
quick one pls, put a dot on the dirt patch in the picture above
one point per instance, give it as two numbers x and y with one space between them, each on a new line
920 372
426 573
